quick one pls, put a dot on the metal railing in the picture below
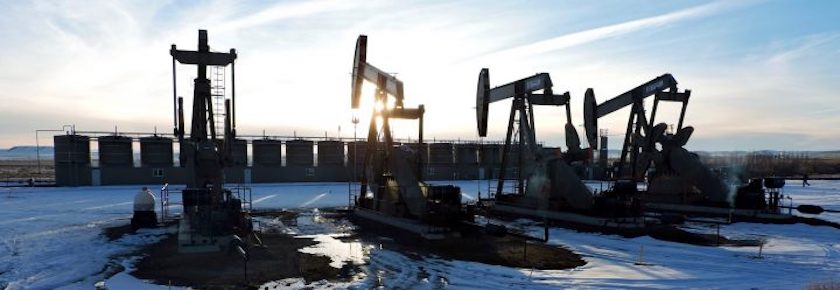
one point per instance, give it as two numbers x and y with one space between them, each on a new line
510 187
164 203
244 194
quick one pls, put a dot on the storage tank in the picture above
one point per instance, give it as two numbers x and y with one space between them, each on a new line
115 152
551 152
267 152
513 152
421 149
74 149
356 148
603 152
156 151
490 154
466 153
239 152
466 161
72 160
299 153
441 153
330 153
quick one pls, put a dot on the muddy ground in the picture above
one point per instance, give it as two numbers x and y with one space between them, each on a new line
503 251
280 259
474 245
277 260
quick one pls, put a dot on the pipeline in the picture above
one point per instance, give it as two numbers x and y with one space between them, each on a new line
811 209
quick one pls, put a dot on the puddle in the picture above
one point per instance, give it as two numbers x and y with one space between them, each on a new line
328 231
340 252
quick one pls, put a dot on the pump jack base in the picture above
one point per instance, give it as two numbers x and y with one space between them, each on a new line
410 226
629 226
741 214
192 243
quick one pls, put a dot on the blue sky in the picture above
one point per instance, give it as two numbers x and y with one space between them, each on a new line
763 74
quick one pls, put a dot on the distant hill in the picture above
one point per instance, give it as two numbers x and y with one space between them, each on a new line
26 153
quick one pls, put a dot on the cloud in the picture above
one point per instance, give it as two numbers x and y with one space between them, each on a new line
808 44
604 32
285 11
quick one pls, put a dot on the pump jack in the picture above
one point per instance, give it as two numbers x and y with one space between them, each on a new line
679 183
533 164
546 186
392 187
212 215
679 176
637 141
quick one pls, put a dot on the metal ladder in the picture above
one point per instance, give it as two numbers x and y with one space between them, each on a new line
217 92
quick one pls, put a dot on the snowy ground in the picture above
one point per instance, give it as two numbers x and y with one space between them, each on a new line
51 239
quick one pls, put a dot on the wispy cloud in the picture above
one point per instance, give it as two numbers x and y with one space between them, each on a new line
285 11
802 48
604 32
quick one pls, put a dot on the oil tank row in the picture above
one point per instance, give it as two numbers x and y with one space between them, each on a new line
334 160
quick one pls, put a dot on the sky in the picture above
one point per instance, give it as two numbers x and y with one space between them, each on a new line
763 74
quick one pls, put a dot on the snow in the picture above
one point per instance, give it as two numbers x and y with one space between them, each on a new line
51 236
51 239
821 192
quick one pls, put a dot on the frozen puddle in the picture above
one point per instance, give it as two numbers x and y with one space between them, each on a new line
338 251
326 232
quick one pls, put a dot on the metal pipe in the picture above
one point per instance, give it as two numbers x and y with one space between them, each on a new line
38 152
520 188
422 112
233 94
95 134
420 174
38 142
174 94
180 133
